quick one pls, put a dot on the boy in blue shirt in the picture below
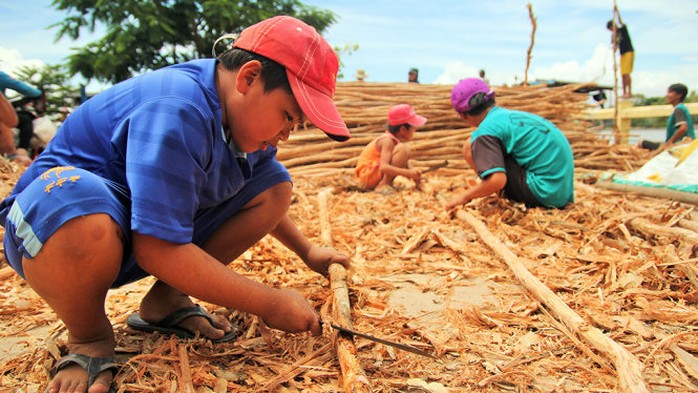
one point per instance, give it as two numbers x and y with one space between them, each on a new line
522 154
174 174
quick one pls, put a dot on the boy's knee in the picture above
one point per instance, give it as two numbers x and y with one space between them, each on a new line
277 196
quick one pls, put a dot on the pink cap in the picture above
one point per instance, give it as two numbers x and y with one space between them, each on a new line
465 90
403 113
311 66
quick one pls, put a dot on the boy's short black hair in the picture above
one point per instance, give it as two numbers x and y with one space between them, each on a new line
396 128
273 74
680 89
609 25
479 102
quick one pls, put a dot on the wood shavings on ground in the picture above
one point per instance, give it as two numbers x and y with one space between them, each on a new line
454 298
626 264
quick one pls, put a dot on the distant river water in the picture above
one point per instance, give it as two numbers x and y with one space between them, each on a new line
650 134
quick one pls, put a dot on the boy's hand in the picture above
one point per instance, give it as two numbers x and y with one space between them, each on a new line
291 313
456 202
319 259
415 174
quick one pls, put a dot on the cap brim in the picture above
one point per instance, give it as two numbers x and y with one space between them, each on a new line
320 109
417 121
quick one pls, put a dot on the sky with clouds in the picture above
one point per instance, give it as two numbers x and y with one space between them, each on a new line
448 40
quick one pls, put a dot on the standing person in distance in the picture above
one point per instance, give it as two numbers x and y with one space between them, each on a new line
413 76
627 52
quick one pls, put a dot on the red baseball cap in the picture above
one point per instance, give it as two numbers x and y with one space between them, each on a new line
404 113
311 66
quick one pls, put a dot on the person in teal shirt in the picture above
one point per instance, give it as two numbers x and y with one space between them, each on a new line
679 126
522 155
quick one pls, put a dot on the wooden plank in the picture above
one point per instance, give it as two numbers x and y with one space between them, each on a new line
637 112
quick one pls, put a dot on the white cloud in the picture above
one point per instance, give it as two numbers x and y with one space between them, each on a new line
455 71
11 61
598 68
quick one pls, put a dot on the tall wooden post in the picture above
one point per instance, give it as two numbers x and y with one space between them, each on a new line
623 121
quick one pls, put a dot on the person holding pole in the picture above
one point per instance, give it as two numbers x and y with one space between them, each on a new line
621 40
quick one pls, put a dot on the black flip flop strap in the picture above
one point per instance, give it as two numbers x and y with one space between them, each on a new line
93 366
174 319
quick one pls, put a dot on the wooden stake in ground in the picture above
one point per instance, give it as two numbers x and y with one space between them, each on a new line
355 379
614 48
629 369
530 47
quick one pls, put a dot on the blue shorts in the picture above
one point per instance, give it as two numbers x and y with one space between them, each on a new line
64 193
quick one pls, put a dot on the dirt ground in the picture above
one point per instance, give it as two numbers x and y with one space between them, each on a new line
426 278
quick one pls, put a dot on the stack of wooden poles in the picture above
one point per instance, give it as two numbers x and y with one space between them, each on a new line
364 107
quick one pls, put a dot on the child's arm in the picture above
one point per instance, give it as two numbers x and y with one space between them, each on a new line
317 258
680 132
386 146
191 270
492 184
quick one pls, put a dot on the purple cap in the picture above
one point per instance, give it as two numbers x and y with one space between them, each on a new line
465 90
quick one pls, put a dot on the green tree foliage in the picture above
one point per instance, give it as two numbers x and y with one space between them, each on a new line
54 81
346 50
143 35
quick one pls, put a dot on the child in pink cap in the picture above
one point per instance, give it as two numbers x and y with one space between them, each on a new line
388 156
173 174
521 155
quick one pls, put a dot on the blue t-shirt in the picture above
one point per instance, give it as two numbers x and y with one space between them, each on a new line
159 141
535 143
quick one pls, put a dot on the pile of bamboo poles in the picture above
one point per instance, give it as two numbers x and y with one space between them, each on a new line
364 107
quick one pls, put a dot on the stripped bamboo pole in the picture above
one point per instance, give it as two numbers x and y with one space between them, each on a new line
629 369
656 192
364 108
533 38
355 379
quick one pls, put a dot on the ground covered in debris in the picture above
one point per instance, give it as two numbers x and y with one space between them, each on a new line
423 277
625 264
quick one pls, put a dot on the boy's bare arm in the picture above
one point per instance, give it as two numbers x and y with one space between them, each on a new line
680 132
386 147
8 116
317 258
192 271
492 184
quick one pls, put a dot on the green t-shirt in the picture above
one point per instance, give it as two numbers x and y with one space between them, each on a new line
679 116
536 144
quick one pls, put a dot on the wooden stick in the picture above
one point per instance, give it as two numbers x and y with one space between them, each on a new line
655 192
651 230
629 369
355 379
614 39
530 47
185 382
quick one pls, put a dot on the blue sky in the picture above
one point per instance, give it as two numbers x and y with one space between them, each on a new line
452 39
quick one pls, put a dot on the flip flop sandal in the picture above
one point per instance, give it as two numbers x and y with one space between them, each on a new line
169 324
93 366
